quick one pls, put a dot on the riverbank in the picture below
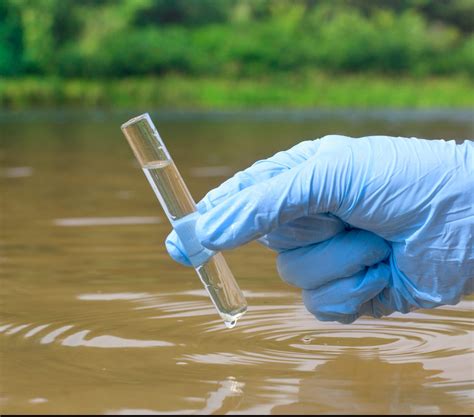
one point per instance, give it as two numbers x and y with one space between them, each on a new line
292 92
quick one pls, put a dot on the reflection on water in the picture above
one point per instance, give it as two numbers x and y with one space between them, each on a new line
78 338
106 221
17 172
218 171
98 319
278 360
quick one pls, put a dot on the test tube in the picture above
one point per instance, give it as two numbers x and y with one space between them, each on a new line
181 210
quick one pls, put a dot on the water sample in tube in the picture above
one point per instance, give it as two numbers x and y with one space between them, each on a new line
181 210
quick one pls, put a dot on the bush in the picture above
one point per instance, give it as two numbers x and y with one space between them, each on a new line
237 38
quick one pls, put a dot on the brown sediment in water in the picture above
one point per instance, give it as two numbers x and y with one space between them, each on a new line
97 319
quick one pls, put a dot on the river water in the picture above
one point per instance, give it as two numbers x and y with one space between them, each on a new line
95 318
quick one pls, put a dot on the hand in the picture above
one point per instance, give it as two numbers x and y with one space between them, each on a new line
330 206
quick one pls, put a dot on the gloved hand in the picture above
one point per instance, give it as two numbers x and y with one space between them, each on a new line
364 226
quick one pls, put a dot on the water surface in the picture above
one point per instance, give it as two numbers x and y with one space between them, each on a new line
95 318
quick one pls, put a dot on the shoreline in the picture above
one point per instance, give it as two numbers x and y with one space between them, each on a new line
291 92
461 115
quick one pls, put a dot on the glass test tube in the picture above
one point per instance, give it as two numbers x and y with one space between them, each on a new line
181 211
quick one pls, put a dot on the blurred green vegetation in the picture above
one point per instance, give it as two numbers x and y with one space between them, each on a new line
314 90
70 51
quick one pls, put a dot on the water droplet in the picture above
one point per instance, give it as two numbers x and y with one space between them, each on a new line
230 324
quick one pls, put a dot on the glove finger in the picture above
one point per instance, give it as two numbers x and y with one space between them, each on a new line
175 249
342 256
301 232
257 210
260 171
322 184
379 306
341 300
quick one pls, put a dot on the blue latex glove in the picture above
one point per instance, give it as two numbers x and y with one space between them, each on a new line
364 226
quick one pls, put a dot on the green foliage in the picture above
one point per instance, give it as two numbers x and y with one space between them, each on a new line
234 38
10 40
172 91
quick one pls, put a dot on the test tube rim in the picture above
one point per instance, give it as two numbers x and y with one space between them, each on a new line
137 119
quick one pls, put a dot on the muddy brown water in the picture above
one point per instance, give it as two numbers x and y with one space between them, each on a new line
95 318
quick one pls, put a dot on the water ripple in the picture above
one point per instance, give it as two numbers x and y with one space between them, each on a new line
287 333
79 337
276 330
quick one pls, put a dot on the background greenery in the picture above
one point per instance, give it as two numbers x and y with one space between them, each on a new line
237 53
